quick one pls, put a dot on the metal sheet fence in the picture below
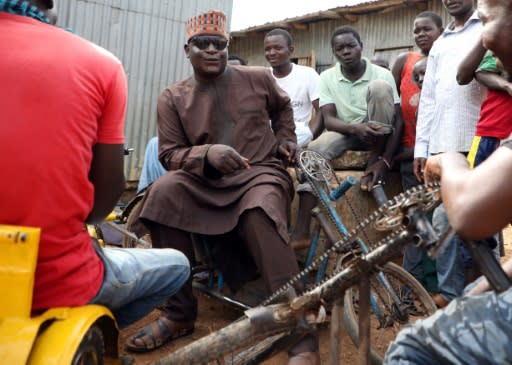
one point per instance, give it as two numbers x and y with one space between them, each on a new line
148 37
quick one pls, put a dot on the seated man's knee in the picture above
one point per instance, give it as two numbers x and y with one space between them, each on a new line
330 144
320 144
380 89
252 215
381 103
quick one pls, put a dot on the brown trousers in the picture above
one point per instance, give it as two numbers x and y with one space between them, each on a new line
274 259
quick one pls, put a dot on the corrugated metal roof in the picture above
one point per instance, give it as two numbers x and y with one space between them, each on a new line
384 33
346 12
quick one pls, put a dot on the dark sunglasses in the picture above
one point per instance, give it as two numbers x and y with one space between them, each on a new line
203 42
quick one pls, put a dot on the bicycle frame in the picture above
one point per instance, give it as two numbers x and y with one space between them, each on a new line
215 292
326 198
261 322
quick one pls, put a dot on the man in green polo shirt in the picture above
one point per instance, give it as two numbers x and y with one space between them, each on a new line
361 110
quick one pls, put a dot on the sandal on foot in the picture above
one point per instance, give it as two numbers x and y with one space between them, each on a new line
158 333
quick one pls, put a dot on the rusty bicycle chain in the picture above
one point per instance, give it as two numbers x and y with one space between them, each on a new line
424 194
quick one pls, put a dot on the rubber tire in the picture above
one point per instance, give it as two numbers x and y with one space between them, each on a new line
394 273
91 350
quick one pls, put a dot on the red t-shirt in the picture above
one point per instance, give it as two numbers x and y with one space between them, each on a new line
59 95
495 119
410 99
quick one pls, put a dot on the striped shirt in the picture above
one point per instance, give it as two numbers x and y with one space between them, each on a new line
448 112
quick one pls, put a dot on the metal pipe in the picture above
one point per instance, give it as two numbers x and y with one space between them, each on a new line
215 294
364 319
342 188
337 329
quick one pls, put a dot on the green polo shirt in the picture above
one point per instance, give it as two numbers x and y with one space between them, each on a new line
350 97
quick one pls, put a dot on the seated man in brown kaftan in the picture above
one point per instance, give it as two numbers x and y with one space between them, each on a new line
227 177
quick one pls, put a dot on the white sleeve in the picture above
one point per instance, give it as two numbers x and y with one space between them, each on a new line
314 85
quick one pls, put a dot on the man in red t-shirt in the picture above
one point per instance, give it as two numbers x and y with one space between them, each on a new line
63 102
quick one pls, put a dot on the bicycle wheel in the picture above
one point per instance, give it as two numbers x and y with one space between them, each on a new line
415 303
138 229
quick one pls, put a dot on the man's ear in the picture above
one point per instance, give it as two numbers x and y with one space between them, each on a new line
291 49
186 48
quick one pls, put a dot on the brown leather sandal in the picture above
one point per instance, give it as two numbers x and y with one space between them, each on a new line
156 334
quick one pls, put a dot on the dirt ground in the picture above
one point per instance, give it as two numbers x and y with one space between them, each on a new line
214 315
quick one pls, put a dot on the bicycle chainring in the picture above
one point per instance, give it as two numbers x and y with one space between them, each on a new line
427 198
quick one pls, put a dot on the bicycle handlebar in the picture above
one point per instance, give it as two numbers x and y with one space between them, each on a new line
488 265
342 188
379 194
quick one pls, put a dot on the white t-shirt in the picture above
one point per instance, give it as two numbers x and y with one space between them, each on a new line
303 87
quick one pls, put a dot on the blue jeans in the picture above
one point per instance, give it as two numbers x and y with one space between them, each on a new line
152 169
470 330
138 280
449 262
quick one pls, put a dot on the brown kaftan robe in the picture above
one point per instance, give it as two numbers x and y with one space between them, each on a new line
233 110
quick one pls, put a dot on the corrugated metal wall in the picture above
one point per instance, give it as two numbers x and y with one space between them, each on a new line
148 37
387 33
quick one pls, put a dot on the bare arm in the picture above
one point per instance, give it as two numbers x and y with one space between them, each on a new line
107 177
377 168
317 124
332 122
484 285
397 69
478 202
494 81
470 63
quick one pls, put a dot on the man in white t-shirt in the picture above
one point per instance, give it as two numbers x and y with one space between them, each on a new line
300 82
